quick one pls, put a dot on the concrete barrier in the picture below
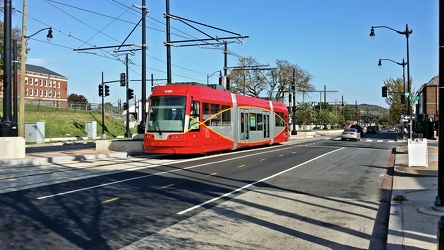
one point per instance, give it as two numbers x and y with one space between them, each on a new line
130 146
12 147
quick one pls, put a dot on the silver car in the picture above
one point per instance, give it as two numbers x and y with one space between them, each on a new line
350 134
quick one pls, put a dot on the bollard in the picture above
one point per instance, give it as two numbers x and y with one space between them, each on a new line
441 233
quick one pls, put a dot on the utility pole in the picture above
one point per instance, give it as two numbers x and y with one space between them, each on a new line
439 202
141 126
21 117
127 132
103 135
168 41
293 107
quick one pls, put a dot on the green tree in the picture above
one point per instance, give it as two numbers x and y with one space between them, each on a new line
283 78
16 35
247 78
274 84
305 114
77 98
395 88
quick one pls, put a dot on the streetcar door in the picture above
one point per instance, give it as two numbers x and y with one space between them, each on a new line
244 125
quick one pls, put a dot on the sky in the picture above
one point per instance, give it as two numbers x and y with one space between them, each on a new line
327 38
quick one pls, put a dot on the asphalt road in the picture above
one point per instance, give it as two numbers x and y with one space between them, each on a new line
317 195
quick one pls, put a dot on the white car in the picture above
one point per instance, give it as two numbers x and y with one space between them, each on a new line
351 134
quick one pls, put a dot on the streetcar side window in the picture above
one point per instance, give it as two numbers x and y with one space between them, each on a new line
215 115
226 115
194 116
206 113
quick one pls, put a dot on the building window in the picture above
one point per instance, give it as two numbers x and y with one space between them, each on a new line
31 81
58 84
36 82
58 95
26 80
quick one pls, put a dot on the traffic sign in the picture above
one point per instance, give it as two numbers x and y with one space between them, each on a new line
407 117
414 98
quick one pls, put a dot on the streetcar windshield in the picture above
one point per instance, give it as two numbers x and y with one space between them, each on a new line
166 114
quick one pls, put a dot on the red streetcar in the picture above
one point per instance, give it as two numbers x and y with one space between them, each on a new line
190 118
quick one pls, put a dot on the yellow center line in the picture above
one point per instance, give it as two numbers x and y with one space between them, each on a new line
241 166
262 160
281 155
167 186
110 200
212 174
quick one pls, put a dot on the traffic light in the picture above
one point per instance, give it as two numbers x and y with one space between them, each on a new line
384 91
100 90
125 106
402 98
106 90
130 94
122 79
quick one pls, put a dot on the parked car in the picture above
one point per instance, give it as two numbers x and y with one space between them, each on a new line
351 134
359 128
372 130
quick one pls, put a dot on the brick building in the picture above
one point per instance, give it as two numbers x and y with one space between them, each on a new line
44 86
427 108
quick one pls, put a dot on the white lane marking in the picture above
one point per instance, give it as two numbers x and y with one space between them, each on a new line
254 183
380 140
149 175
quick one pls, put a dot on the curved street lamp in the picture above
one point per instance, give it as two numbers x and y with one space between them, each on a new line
407 33
208 76
403 79
21 120
48 36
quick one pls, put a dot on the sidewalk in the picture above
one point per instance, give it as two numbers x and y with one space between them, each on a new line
413 220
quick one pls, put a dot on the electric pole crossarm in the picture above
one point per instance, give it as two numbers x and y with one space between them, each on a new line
206 25
208 39
104 47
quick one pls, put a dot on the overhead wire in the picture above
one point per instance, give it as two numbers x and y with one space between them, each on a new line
105 53
114 19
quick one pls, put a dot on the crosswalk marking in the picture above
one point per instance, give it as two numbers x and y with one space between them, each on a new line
367 140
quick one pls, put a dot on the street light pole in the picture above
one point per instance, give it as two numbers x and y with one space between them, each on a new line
293 107
403 81
208 76
8 127
407 33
